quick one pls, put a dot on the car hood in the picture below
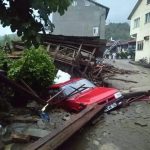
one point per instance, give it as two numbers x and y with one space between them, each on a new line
94 95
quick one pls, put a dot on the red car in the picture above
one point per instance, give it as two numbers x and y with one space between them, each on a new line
78 93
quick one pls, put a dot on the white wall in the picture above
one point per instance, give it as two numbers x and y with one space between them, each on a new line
142 31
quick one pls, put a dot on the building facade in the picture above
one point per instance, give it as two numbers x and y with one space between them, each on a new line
83 18
140 29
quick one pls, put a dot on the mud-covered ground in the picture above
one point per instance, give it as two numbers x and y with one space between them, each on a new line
126 128
142 77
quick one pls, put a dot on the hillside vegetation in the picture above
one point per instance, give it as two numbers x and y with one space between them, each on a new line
118 31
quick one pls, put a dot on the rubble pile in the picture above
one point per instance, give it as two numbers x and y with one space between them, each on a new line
22 126
104 71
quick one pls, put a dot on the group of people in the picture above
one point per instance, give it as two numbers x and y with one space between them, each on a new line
112 56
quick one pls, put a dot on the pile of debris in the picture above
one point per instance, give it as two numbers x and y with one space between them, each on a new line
23 126
73 54
77 56
29 126
100 72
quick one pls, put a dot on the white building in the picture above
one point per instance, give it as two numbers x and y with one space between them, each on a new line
140 29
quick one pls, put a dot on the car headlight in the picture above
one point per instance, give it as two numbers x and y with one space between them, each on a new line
118 95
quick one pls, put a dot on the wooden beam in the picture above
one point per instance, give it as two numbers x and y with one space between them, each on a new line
88 62
99 72
70 47
78 53
87 43
56 138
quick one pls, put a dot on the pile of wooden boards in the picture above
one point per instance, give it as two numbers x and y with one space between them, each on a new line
100 72
78 56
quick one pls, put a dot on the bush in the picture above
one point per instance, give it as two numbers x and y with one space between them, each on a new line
36 68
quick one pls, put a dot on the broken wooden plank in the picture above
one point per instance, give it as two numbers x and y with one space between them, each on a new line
99 72
56 138
88 44
70 130
78 53
88 63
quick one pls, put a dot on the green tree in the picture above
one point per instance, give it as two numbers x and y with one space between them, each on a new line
36 68
29 17
118 31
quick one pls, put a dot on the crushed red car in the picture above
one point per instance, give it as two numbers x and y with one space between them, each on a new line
76 94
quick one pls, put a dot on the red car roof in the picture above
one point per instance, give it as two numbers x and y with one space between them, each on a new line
65 83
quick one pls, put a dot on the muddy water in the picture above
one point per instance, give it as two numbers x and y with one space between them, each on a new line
125 129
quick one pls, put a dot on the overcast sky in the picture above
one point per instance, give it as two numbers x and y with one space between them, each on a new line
119 9
119 12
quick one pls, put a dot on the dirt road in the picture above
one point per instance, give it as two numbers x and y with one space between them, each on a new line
127 128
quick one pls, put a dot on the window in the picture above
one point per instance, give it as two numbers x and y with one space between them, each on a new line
140 45
87 3
147 18
95 31
136 22
148 1
74 3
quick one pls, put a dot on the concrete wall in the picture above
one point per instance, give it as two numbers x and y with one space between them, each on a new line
142 31
80 20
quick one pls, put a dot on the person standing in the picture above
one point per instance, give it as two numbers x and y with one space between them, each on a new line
114 57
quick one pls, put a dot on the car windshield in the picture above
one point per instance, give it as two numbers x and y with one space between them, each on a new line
77 86
54 91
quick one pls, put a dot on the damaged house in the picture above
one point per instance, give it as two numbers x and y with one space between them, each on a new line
83 18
